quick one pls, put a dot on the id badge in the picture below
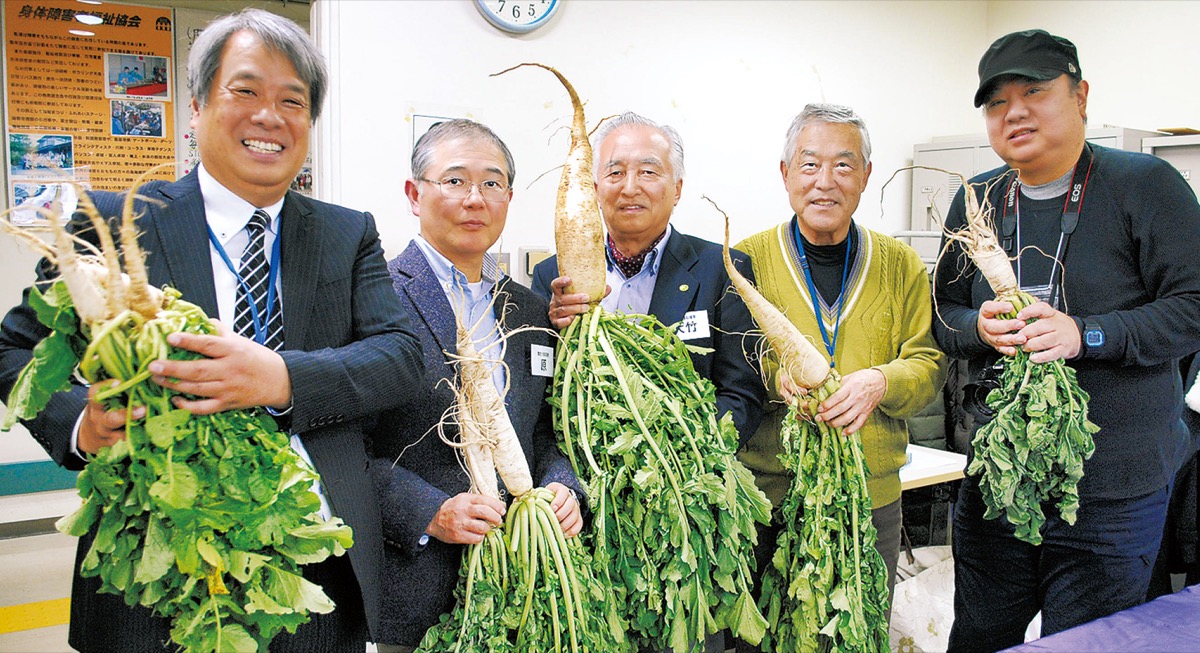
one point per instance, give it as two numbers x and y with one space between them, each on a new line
541 360
693 326
1046 293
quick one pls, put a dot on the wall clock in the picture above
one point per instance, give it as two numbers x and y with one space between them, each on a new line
517 16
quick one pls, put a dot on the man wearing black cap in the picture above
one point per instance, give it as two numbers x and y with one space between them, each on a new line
1106 240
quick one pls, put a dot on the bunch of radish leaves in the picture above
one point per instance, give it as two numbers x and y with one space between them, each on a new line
674 513
826 588
1032 451
204 519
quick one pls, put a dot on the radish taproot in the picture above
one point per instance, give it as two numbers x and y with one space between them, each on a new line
525 585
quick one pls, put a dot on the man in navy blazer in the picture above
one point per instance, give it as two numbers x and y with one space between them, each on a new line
654 269
257 83
460 191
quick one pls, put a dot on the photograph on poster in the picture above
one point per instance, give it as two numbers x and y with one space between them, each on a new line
130 118
31 198
36 154
132 75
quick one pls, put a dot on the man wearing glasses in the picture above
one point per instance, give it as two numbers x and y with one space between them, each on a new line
460 191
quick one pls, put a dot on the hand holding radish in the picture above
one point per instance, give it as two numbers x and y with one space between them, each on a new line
567 509
236 373
1049 334
100 427
465 518
564 307
849 407
1001 334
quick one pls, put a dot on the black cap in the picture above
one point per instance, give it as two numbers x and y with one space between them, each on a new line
1034 53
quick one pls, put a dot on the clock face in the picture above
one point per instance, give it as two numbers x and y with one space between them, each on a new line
517 16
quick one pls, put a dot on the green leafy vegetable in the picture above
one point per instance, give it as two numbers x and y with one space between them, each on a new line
826 588
204 519
674 512
1032 451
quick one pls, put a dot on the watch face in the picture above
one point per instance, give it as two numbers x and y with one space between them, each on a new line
1094 338
517 16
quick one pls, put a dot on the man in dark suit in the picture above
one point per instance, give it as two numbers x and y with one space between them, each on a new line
348 351
460 191
654 269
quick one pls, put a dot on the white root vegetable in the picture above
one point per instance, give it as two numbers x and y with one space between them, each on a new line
578 227
797 357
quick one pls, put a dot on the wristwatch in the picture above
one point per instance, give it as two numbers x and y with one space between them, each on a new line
1093 335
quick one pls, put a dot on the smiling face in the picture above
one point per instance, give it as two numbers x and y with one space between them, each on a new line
636 186
1037 127
461 229
253 129
825 180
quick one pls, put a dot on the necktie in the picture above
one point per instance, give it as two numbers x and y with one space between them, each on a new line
254 272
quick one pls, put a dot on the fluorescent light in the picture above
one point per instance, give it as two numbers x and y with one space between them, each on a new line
81 32
90 2
89 19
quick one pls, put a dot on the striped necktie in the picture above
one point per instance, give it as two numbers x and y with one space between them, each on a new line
254 272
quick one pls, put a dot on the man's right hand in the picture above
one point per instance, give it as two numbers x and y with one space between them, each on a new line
466 518
563 307
100 427
1001 335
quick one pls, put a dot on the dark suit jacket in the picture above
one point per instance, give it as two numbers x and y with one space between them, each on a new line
691 277
416 472
350 352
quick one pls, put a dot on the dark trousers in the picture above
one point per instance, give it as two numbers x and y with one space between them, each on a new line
1099 566
102 623
888 521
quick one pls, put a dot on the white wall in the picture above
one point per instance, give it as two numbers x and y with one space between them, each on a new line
728 75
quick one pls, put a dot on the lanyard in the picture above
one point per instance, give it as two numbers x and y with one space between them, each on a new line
260 322
830 343
1011 225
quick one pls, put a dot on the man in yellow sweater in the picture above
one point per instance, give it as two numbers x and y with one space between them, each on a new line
872 294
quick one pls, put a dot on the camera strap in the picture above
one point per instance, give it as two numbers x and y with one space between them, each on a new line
1011 225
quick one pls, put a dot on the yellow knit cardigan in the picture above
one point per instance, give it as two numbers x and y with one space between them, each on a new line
885 324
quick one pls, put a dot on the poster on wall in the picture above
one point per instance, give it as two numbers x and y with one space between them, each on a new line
89 92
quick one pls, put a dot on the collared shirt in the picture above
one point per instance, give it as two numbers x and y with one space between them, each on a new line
632 295
472 303
227 216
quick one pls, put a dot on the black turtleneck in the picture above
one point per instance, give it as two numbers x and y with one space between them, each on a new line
827 263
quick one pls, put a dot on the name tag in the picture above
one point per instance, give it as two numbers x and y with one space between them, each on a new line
693 326
541 360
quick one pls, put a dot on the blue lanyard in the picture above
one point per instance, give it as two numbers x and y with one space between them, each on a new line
830 343
260 322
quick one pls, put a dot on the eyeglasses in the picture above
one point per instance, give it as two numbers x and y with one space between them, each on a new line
457 188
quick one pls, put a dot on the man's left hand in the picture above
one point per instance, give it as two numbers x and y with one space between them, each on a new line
1051 336
235 373
849 407
566 508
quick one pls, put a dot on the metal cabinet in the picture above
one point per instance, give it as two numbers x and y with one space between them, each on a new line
1183 152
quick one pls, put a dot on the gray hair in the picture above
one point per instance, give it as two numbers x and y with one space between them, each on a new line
630 118
831 113
277 33
422 154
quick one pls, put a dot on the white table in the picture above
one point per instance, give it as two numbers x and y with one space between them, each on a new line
928 466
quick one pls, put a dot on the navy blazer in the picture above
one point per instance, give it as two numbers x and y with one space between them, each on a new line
349 348
416 472
691 277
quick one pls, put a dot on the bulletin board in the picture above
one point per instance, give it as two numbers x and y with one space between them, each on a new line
90 97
